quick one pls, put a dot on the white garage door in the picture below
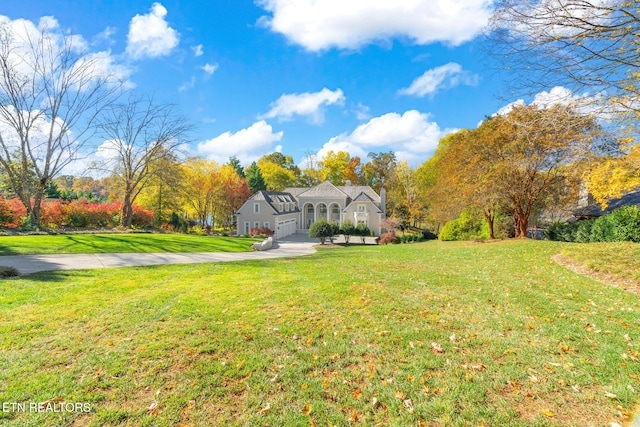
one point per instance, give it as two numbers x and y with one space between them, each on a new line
285 228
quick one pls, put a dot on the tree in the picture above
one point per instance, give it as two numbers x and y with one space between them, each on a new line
322 229
613 176
333 167
255 178
523 159
162 193
278 171
404 195
310 174
201 183
584 45
138 134
379 170
234 192
52 89
235 163
276 177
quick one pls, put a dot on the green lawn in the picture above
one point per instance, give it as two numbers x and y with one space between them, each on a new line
430 334
119 243
618 259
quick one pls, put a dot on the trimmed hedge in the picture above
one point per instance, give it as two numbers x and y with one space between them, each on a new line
621 225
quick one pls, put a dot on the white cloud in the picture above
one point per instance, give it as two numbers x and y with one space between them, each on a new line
22 58
187 85
209 69
150 35
412 136
304 104
443 77
318 25
246 144
197 50
558 95
361 112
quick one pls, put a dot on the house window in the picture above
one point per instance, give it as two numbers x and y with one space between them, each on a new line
246 227
267 225
336 210
323 209
280 207
256 208
362 208
256 224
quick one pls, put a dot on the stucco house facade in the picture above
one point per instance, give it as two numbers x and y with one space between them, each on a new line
295 209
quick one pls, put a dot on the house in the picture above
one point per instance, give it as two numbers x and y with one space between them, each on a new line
295 209
590 209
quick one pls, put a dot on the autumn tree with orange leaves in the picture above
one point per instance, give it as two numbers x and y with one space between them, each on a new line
518 161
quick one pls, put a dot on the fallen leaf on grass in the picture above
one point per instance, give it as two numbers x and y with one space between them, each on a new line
436 347
399 395
548 413
408 404
265 410
611 395
306 409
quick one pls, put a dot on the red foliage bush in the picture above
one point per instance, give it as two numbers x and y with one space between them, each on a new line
79 213
142 217
388 237
254 232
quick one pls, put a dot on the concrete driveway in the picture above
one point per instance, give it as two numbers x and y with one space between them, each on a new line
27 264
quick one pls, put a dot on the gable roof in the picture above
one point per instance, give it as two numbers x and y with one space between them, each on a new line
273 197
363 197
295 191
354 191
322 190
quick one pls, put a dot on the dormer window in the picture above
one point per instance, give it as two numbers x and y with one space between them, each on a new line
280 207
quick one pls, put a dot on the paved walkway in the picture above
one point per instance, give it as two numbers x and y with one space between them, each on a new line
27 264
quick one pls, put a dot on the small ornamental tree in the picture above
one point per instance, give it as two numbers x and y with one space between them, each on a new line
347 230
322 229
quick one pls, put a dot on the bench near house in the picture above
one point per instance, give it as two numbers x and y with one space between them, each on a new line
295 209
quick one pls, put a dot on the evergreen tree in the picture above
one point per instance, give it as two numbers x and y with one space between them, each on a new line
254 178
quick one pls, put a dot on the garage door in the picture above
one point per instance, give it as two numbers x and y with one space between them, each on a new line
285 228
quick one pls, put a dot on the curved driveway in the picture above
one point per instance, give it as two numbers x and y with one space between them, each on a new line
27 264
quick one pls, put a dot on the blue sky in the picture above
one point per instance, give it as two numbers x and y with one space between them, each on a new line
256 77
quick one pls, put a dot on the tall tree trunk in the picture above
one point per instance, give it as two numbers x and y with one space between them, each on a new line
36 210
522 223
490 217
126 216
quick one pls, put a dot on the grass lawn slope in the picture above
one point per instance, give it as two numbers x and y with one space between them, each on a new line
430 334
119 243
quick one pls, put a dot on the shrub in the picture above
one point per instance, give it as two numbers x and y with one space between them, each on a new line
347 230
198 230
8 272
257 232
142 217
428 235
583 234
469 224
626 224
322 229
388 237
178 223
602 230
363 231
